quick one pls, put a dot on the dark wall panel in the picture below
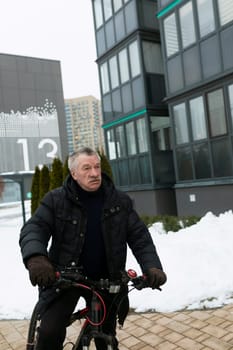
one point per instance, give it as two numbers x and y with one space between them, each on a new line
200 200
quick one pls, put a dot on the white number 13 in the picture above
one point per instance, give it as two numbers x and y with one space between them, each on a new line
50 154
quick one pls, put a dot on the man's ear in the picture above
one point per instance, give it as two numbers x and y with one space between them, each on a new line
72 174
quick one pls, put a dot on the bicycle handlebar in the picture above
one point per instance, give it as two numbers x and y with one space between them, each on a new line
71 276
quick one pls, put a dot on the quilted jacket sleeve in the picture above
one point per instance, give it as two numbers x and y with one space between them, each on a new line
36 232
141 243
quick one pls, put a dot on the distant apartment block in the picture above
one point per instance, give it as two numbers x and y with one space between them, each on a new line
84 123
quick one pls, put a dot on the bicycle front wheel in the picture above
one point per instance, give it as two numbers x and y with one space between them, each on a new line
32 330
87 340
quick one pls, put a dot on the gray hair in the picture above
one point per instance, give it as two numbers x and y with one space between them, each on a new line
72 160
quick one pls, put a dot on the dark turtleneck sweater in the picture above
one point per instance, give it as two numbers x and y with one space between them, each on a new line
93 257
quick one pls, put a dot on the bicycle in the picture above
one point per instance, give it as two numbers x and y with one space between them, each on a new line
91 327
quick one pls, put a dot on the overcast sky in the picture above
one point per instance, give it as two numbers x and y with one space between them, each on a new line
54 29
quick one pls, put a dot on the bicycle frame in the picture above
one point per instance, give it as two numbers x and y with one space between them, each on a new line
92 327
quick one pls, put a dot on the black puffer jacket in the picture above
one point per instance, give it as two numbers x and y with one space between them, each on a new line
61 220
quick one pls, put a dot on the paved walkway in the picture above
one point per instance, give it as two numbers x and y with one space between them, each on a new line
188 330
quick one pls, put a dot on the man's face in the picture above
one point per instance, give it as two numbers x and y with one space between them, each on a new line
87 173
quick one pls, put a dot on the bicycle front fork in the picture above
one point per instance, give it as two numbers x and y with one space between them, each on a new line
86 342
87 347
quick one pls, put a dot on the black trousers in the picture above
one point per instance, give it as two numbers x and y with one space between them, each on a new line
52 330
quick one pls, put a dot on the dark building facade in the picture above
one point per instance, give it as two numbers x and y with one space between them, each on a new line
136 122
32 117
197 48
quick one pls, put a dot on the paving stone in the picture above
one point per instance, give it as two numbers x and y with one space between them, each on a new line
201 315
166 346
198 324
215 320
152 339
192 333
217 332
173 337
230 328
217 344
130 341
178 326
189 344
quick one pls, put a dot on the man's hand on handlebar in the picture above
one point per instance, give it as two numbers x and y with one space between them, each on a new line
155 277
41 271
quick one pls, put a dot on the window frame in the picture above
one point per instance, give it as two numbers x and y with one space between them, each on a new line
186 41
167 36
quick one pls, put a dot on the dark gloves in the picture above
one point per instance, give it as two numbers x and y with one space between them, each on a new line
41 271
156 277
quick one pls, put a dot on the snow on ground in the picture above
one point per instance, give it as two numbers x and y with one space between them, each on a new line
197 260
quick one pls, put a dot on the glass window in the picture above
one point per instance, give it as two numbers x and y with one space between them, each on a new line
164 2
132 17
107 9
120 141
184 163
107 107
124 68
152 57
225 11
130 138
217 113
100 41
110 33
145 171
117 4
197 113
122 167
113 72
222 158
187 24
138 92
205 16
116 102
98 13
230 91
119 26
127 100
160 127
181 126
141 135
201 160
104 77
134 171
171 38
111 144
134 59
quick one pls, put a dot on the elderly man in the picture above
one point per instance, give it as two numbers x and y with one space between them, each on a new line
90 223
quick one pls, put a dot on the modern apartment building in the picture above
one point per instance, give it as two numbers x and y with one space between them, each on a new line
32 118
136 122
197 42
84 123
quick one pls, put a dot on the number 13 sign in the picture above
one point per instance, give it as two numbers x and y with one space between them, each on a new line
29 138
50 154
